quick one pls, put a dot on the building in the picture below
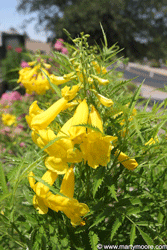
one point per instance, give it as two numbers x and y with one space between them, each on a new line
12 38
34 45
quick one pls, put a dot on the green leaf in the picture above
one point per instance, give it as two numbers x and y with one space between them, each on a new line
3 180
115 227
96 129
3 197
98 178
104 35
133 210
146 237
53 141
46 184
132 234
138 130
98 219
113 192
56 89
160 217
135 97
93 240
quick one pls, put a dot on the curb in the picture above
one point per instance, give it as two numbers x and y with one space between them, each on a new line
152 93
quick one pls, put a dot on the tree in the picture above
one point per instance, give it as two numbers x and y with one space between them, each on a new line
134 24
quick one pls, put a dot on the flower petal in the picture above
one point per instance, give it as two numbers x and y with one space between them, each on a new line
42 120
67 186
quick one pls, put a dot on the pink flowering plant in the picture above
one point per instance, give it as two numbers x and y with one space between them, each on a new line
93 171
59 46
13 129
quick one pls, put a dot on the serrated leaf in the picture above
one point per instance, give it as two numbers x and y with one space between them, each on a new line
46 184
132 234
96 185
133 210
113 192
115 227
98 219
98 178
146 237
53 141
93 240
96 129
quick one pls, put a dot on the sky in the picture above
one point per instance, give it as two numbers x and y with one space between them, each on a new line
9 17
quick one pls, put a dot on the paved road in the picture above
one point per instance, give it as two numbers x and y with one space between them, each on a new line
151 79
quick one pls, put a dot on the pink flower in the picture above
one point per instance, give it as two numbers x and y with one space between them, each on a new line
24 64
60 40
64 50
18 50
5 130
20 126
15 96
27 95
22 144
10 97
9 47
58 45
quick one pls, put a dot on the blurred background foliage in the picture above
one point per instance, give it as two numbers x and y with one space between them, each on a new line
138 26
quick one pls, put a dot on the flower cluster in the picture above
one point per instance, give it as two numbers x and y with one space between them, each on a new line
35 79
60 47
8 119
80 139
9 97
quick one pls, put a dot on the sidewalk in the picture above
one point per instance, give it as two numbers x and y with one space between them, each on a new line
148 91
156 95
149 69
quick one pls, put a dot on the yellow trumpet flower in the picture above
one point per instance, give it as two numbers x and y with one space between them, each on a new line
56 165
42 190
80 117
35 79
96 148
105 101
126 161
44 199
95 119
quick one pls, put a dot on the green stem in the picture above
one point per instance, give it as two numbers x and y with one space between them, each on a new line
3 180
88 180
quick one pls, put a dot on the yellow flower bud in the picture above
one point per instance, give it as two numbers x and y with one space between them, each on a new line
57 80
101 80
126 161
105 101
